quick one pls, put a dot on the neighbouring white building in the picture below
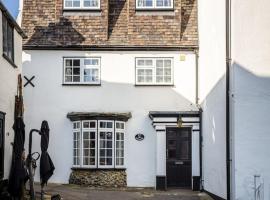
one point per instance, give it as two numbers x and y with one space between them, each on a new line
117 82
10 67
243 141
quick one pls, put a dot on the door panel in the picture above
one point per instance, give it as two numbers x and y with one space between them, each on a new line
178 142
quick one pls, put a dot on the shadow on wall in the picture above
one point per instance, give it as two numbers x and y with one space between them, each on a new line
251 130
251 138
185 14
115 10
61 33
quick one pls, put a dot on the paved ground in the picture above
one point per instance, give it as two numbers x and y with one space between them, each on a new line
71 192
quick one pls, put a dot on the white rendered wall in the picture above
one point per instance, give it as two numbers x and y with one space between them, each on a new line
8 90
212 93
251 108
51 101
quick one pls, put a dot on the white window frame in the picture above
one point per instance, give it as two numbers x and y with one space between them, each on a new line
154 6
113 133
124 140
82 67
97 131
82 141
77 130
82 7
153 68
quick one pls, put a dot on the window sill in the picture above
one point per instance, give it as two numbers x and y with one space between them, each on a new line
154 10
82 10
96 169
157 85
80 84
9 61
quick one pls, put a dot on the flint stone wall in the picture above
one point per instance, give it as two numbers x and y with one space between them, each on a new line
99 178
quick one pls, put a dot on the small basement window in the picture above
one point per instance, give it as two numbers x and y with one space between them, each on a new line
82 71
154 4
154 71
98 144
81 4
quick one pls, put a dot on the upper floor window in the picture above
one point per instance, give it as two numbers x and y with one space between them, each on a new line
154 71
8 39
154 4
81 4
82 70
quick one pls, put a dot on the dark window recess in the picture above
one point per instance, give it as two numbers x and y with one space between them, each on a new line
2 143
8 39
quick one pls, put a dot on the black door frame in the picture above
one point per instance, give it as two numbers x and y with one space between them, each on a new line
190 131
2 162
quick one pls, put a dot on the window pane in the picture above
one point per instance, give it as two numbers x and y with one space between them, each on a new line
76 71
109 161
102 144
167 63
102 152
168 79
68 71
92 124
76 3
109 144
76 78
68 3
86 124
93 144
102 161
109 124
76 62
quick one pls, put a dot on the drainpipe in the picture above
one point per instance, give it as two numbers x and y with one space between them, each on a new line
200 111
228 66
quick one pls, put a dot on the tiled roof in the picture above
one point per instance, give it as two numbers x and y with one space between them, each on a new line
117 24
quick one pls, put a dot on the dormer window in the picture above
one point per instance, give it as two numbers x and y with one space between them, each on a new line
154 4
81 4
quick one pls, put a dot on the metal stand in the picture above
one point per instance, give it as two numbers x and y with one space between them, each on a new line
31 164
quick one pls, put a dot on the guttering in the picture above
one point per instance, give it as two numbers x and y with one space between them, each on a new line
228 65
109 48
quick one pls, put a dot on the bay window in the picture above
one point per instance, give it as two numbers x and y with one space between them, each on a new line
82 70
81 4
154 4
154 71
101 144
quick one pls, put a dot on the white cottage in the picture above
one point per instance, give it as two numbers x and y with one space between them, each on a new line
117 82
10 67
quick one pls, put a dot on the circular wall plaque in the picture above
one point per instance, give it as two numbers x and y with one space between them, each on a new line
139 137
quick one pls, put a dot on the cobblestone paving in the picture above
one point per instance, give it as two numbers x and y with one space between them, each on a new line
71 192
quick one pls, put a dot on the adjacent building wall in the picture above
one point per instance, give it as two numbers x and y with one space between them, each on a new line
50 100
8 90
212 94
251 89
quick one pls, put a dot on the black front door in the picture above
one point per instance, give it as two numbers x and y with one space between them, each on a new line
178 141
2 143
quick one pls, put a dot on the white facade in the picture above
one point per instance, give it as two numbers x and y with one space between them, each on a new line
212 94
8 90
250 88
52 101
251 96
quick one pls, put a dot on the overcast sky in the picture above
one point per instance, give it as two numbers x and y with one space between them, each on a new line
12 6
